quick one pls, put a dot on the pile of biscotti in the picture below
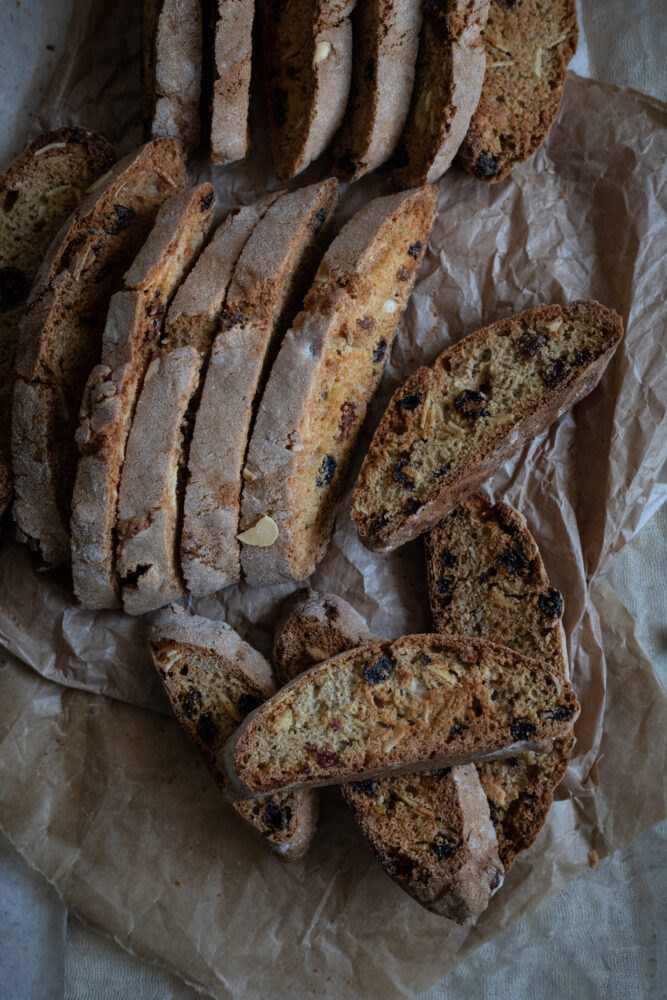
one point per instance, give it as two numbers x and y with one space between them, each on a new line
405 82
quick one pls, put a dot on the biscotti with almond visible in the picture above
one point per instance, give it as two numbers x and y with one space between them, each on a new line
172 39
453 423
230 133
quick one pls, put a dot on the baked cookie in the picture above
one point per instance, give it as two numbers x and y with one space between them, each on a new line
172 43
230 134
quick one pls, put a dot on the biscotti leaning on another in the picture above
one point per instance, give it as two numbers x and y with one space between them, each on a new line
386 38
38 191
448 81
528 47
411 704
172 40
306 50
230 134
213 679
133 327
302 443
452 424
267 288
61 334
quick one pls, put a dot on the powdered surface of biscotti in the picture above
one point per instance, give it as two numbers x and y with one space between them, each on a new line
230 136
172 40
453 423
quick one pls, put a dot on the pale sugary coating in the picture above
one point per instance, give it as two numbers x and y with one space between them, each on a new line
230 136
172 39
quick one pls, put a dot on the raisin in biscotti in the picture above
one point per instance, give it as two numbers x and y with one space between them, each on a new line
386 37
307 52
230 136
133 327
411 704
529 44
172 37
61 334
272 274
335 352
38 191
213 679
448 82
453 423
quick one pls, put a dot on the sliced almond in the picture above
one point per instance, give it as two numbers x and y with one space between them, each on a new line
262 534
322 52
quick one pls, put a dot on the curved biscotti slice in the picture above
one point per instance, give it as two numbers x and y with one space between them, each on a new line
455 422
529 44
61 334
132 330
386 38
448 82
213 679
172 39
302 442
411 704
38 191
230 135
307 55
270 279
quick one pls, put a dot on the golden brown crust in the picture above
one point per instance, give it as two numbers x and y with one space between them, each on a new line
172 37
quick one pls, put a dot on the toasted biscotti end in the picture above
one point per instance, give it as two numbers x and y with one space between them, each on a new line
172 37
453 423
528 46
448 81
388 707
287 820
230 132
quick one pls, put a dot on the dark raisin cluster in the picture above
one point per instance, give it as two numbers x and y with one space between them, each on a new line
522 729
551 603
380 522
348 412
380 670
560 714
399 476
366 323
445 585
206 201
319 221
191 704
457 729
415 249
485 166
472 405
380 351
326 472
443 848
448 558
513 560
410 402
276 818
442 470
529 345
230 319
123 217
368 787
487 574
324 757
554 373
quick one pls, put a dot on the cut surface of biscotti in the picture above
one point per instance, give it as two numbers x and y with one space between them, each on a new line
452 424
307 55
529 44
230 136
38 191
303 442
172 38
133 327
273 272
213 679
448 82
61 334
411 704
386 38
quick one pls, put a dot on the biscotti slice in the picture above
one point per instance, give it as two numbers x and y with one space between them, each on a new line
455 422
414 703
307 55
529 44
272 274
448 82
133 327
386 38
303 442
230 135
61 333
213 679
38 191
172 39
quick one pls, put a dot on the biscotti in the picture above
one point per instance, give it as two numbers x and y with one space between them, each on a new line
230 134
528 47
386 38
213 679
411 704
272 274
172 39
448 82
61 334
453 423
133 327
38 191
307 59
302 442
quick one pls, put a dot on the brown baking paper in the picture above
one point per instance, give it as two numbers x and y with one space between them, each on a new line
101 791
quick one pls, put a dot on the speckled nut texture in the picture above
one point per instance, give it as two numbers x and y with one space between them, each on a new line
38 191
529 44
448 82
133 327
453 423
172 40
213 679
414 703
307 60
386 38
272 274
302 442
230 136
61 333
